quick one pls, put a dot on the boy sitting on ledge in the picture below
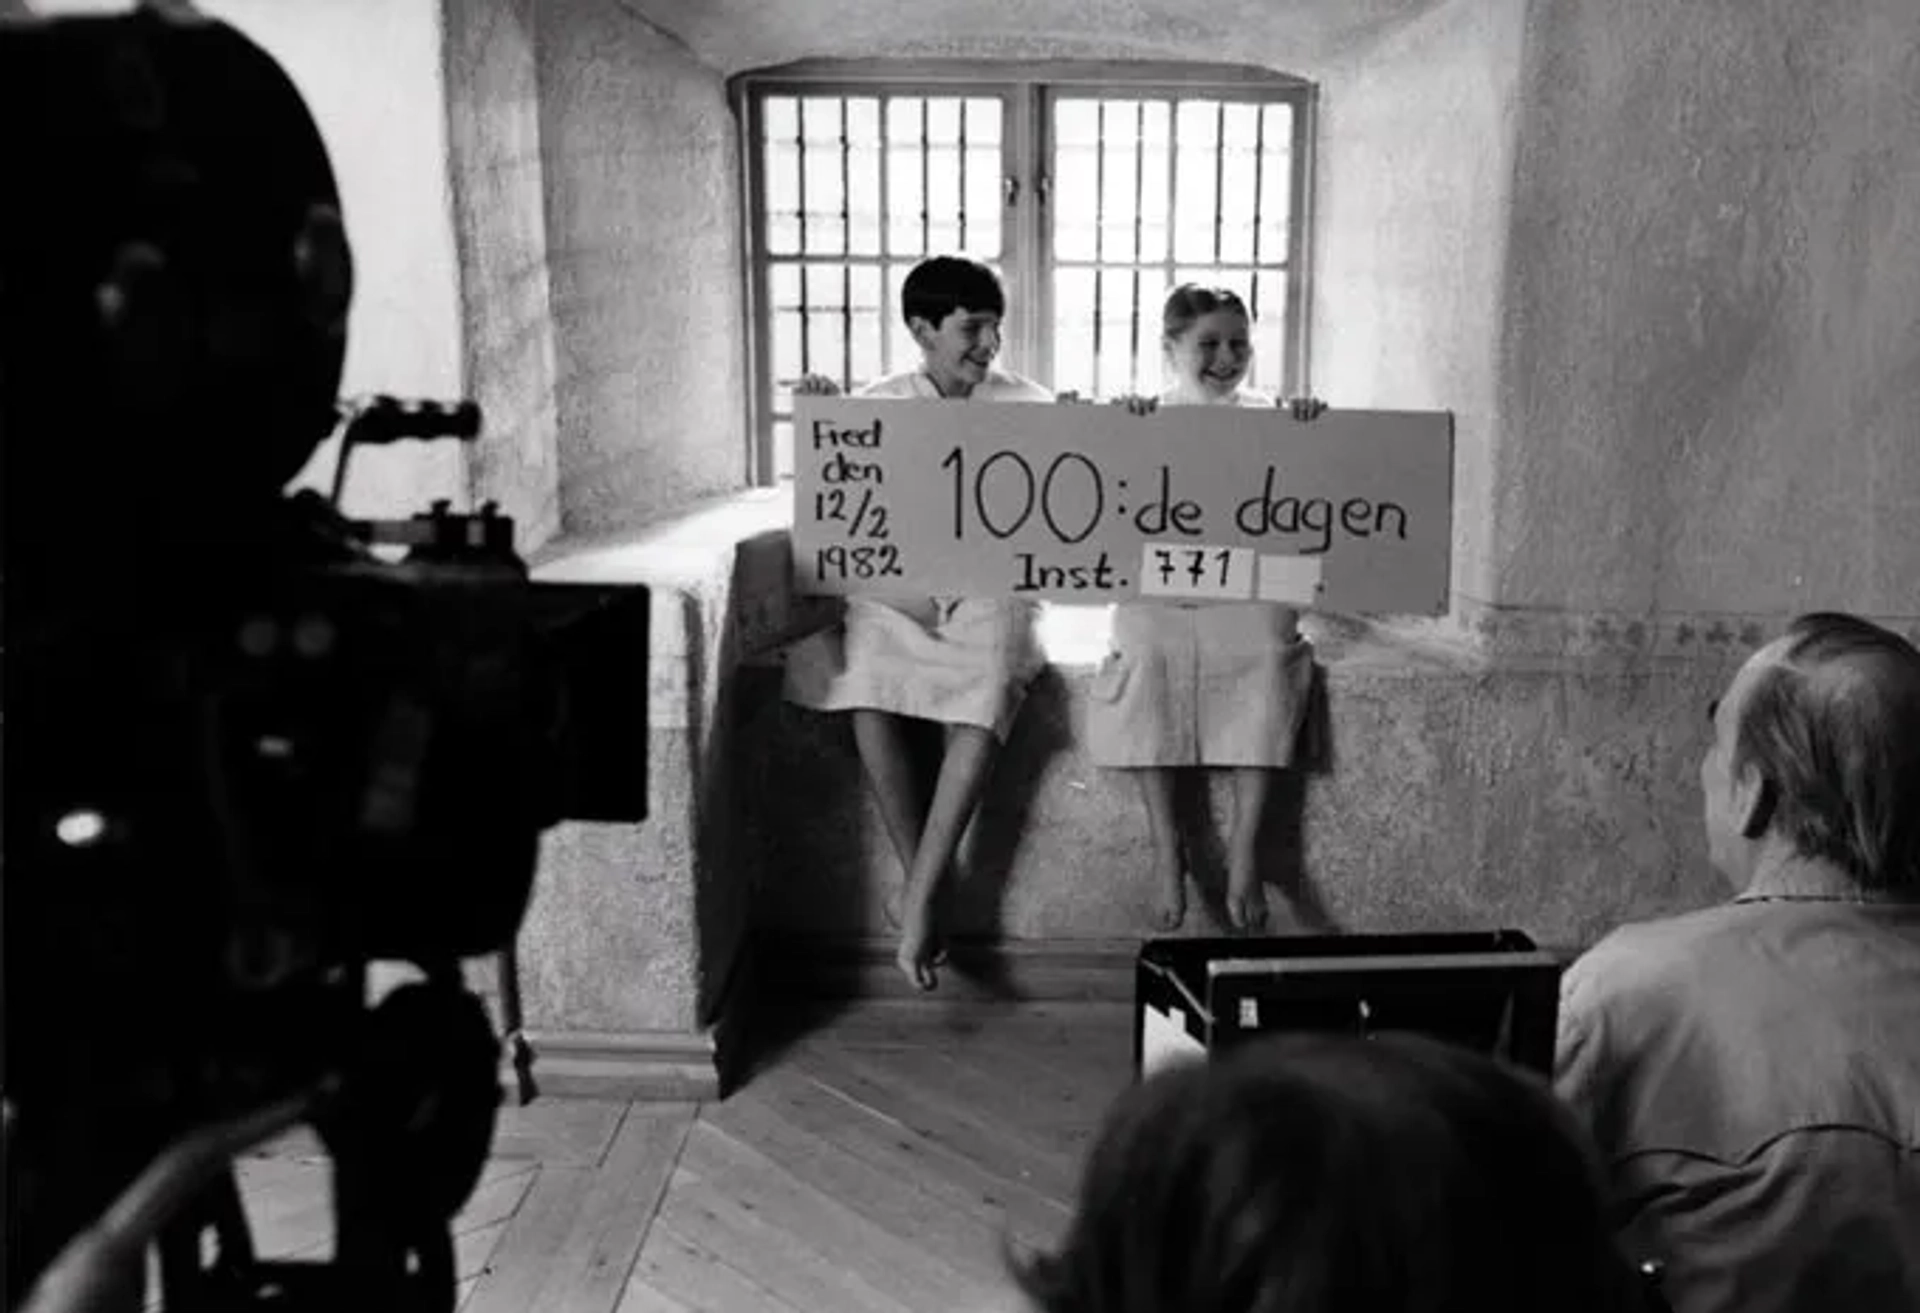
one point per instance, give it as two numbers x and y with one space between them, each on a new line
964 662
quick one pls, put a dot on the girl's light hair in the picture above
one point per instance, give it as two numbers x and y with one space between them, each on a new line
1189 302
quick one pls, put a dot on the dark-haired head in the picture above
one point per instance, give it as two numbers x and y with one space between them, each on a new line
1828 723
1337 1175
943 284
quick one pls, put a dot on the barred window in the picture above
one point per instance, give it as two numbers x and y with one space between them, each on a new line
1090 193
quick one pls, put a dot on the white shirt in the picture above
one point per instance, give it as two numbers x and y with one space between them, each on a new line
1179 395
997 386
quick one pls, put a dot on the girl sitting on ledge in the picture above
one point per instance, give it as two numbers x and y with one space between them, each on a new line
1207 684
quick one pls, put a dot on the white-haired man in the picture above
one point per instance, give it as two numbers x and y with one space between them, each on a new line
1752 1071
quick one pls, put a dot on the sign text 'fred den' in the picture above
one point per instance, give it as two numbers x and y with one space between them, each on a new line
1352 511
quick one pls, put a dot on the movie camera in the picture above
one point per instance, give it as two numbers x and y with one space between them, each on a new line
254 746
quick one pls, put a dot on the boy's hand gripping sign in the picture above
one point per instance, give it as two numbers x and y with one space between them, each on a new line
1352 511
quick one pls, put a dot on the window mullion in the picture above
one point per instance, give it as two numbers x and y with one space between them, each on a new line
1141 333
846 243
1299 233
884 116
761 463
1173 193
1025 232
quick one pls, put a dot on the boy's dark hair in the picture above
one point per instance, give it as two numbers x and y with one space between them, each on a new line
1322 1174
1833 727
942 284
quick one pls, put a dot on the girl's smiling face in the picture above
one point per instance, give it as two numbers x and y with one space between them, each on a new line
1212 356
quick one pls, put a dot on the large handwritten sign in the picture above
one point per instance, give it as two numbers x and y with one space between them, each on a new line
1352 511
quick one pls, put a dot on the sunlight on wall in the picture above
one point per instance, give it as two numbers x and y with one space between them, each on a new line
1074 635
370 73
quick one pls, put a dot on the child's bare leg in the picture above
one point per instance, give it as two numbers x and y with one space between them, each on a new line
881 737
963 774
1246 899
1170 881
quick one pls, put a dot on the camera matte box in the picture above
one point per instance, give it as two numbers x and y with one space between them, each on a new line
1492 991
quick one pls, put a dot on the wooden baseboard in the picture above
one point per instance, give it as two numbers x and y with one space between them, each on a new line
1037 970
652 1066
655 1066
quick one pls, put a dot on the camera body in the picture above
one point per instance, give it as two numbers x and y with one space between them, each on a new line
230 792
252 745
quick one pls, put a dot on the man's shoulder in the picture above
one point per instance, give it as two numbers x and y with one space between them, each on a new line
1624 1001
1652 956
1660 935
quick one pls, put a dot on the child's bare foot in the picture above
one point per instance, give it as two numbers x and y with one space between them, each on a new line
1171 910
1246 902
918 956
893 911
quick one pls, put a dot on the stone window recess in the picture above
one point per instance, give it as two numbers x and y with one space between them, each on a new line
1091 190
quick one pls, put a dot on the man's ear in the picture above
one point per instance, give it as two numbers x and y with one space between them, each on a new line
1753 802
923 331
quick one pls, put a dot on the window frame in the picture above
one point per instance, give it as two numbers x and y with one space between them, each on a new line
1026 89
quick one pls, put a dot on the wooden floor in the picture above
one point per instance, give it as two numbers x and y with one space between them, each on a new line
877 1161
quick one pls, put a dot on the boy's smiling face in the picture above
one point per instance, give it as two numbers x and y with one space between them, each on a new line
960 349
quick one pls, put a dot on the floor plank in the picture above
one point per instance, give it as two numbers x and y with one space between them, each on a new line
1035 1026
502 1187
473 1252
733 1231
289 1202
912 1275
884 1161
573 1241
937 1114
1026 1115
289 1206
692 1277
1083 1045
948 1174
639 1297
560 1132
897 1202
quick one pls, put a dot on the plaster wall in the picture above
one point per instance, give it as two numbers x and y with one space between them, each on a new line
639 928
1711 356
371 74
1412 187
1557 799
641 174
499 207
